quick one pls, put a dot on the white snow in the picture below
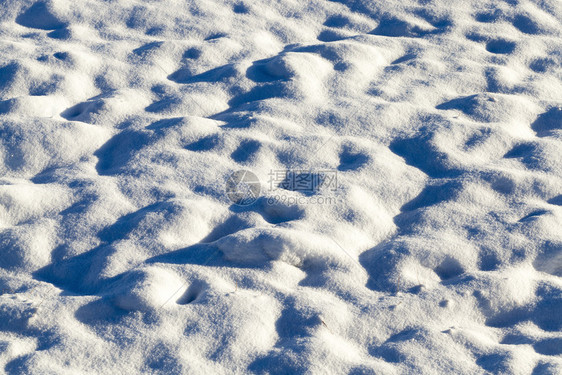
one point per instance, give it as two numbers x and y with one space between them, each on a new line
438 250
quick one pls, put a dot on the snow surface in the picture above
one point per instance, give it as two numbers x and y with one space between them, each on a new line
121 120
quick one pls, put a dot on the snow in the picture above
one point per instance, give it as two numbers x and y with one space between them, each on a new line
431 245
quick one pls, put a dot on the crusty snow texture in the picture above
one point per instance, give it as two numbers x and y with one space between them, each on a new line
440 253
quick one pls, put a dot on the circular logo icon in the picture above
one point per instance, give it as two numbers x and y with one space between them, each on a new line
243 187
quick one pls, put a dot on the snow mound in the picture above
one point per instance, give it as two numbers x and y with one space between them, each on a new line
147 289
